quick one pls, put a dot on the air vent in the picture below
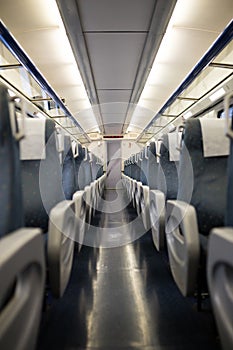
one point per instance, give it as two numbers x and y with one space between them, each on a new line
113 136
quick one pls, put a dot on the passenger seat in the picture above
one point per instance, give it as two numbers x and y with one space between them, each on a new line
201 199
44 200
22 260
220 259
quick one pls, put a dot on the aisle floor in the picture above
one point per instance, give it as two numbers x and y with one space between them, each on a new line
124 297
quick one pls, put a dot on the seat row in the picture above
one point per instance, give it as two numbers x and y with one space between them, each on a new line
185 201
48 190
150 178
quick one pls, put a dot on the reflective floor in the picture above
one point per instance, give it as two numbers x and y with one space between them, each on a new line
123 297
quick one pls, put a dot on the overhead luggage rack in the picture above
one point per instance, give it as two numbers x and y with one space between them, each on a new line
212 73
20 74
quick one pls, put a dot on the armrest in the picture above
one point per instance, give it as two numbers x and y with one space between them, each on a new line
220 281
145 202
62 226
183 244
22 275
80 213
157 218
137 194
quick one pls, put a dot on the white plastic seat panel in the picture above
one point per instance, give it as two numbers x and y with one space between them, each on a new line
94 193
145 206
80 213
133 192
220 282
88 200
157 218
102 181
98 192
129 188
138 195
183 244
61 236
22 275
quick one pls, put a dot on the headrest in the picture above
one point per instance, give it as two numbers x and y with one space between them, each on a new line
32 146
77 150
67 143
60 139
152 148
85 153
174 153
146 150
215 142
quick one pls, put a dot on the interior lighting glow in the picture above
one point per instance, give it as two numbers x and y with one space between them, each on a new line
187 115
217 94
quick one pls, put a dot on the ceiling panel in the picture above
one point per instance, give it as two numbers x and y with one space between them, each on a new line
68 71
109 118
114 58
113 129
112 15
106 96
86 116
114 108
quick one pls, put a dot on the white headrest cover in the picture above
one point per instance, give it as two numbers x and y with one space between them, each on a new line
173 139
215 142
60 135
32 146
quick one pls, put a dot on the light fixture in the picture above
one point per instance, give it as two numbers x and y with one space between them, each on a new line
11 93
187 115
217 94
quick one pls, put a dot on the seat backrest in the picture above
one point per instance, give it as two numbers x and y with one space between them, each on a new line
100 168
88 169
229 206
41 178
68 169
94 166
138 169
10 176
79 174
168 167
144 166
128 167
22 261
202 175
152 169
135 168
83 168
132 166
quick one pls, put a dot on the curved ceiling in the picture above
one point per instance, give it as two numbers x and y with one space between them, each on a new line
114 44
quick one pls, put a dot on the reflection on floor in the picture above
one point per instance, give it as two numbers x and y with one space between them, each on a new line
123 297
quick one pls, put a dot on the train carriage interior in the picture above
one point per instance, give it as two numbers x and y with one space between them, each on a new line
116 173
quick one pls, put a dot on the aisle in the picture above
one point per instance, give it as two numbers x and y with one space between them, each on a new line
124 298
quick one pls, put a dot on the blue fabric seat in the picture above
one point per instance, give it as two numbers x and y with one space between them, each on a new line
201 200
21 249
167 187
45 205
68 169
